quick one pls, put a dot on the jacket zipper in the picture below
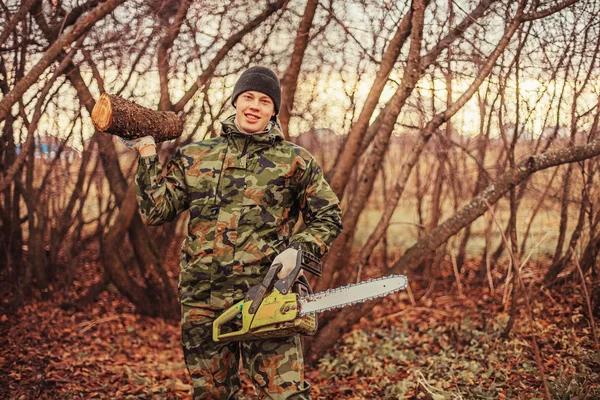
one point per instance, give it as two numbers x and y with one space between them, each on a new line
245 147
220 174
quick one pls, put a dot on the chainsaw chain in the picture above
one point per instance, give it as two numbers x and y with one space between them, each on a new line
316 296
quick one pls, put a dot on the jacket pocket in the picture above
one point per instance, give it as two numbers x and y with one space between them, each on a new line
195 272
197 248
203 219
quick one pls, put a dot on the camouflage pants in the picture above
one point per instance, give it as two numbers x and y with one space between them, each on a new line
275 366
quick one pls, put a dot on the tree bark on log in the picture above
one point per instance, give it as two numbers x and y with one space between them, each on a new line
117 116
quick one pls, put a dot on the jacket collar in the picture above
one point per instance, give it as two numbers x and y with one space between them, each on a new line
271 135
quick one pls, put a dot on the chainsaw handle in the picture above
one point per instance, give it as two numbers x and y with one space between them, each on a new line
284 285
227 316
257 292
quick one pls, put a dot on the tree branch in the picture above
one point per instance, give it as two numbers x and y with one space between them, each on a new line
549 11
53 52
229 44
14 21
330 333
290 80
162 53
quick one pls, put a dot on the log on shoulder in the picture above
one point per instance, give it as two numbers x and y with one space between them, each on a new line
124 118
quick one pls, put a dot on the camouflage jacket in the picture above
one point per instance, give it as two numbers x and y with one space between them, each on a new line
245 194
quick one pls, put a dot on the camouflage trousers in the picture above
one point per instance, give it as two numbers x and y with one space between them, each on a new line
275 366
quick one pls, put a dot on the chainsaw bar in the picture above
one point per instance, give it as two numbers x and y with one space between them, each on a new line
351 294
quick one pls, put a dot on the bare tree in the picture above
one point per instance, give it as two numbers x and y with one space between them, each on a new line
344 319
429 104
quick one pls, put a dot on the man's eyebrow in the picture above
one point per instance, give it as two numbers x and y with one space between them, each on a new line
265 97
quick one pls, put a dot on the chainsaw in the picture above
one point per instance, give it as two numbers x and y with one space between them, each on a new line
285 307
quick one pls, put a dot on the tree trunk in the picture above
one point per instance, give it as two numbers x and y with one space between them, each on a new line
564 214
442 144
482 176
589 258
595 300
139 235
480 183
516 264
113 265
12 241
423 138
66 219
10 215
557 267
162 54
289 83
429 59
37 261
369 173
38 256
352 147
537 208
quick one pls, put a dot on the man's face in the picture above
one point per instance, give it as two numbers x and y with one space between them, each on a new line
253 110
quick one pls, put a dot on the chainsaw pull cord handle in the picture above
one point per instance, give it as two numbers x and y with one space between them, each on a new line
257 293
228 315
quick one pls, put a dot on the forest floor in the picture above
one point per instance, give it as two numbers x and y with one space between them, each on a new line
444 346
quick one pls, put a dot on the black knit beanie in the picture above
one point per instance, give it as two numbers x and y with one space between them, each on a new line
260 79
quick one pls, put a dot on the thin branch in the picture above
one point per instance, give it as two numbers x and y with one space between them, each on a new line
516 267
229 44
32 126
16 18
79 29
548 11
589 306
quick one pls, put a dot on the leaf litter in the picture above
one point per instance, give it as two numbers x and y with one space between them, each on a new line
444 347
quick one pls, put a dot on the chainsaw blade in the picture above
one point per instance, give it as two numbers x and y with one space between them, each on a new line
351 294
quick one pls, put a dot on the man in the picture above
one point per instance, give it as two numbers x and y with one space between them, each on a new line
245 191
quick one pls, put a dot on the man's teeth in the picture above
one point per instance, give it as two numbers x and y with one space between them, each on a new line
251 116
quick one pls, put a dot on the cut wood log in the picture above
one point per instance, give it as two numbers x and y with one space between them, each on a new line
117 116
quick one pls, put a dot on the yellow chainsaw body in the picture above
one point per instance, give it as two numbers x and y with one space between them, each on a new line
277 316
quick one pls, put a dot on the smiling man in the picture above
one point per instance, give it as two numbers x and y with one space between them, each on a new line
256 98
253 111
245 191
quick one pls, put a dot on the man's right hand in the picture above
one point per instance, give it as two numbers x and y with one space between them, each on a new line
144 145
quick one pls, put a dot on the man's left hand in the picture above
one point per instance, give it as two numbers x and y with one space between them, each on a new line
287 258
144 145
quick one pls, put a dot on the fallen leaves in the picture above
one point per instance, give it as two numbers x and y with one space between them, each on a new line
91 354
446 349
454 349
